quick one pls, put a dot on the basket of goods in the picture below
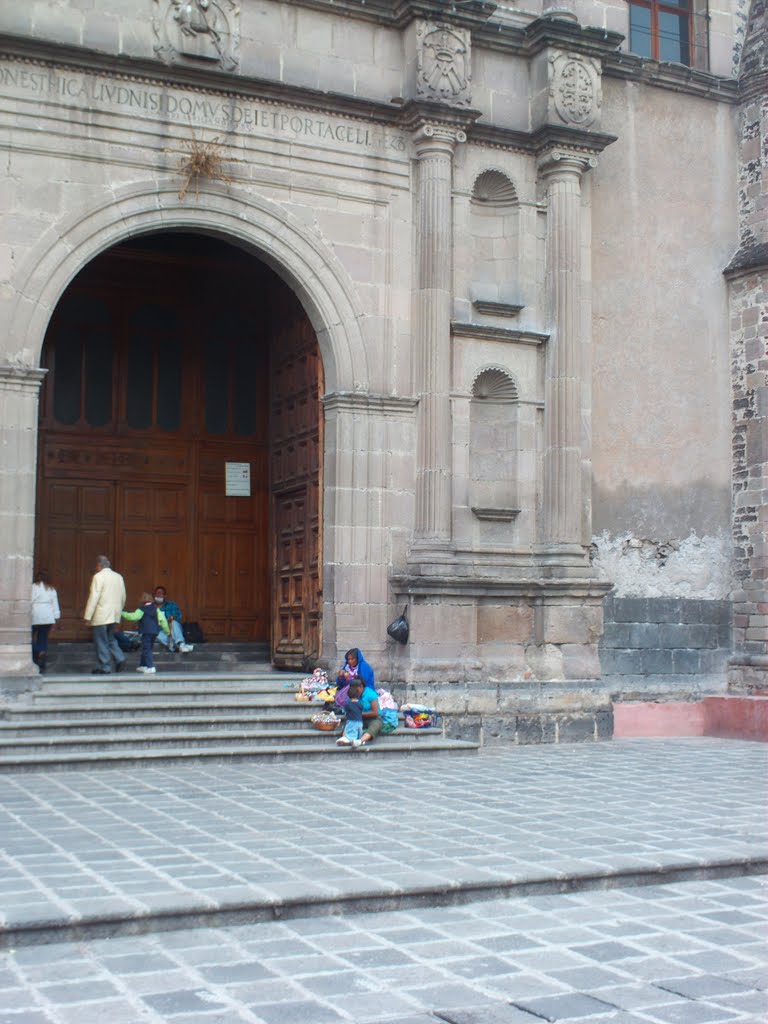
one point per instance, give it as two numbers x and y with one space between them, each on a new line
325 721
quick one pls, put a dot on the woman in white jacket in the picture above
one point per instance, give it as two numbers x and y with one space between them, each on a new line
45 612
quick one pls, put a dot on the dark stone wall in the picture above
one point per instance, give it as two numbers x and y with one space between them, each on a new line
664 636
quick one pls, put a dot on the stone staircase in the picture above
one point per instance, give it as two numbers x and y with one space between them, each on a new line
80 658
76 721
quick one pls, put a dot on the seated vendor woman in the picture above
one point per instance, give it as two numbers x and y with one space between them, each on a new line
356 667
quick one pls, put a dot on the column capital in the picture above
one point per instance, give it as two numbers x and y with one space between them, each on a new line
19 377
431 137
565 162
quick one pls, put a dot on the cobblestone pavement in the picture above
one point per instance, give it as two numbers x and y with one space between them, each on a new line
684 953
79 845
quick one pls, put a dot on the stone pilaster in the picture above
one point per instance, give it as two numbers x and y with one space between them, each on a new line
562 464
19 389
434 147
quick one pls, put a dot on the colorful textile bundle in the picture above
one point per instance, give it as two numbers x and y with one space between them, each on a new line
419 716
387 711
315 687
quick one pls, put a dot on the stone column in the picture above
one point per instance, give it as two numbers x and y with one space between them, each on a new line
19 389
562 512
434 146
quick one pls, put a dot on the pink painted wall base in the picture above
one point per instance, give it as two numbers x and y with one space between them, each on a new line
742 718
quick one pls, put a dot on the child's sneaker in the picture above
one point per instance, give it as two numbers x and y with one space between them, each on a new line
341 742
186 648
357 743
149 671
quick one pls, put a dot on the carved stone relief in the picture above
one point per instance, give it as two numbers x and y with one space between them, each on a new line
444 64
197 30
575 89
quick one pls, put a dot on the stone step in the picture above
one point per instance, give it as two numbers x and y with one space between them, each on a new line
167 755
14 728
200 738
118 710
97 686
212 698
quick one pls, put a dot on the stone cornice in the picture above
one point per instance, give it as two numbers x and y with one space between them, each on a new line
153 72
676 77
416 115
474 586
398 13
546 137
362 401
487 332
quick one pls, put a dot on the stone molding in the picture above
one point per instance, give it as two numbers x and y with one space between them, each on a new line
677 77
319 279
501 515
462 586
486 332
404 116
18 377
505 309
362 401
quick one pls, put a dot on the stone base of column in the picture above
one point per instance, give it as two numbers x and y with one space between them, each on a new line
16 661
563 556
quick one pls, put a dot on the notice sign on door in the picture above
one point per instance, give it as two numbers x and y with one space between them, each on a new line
238 479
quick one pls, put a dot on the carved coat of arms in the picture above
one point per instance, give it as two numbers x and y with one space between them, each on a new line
444 69
575 89
200 30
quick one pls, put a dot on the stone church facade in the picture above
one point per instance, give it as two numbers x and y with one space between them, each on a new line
499 283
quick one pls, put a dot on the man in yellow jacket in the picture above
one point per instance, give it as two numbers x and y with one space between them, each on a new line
102 613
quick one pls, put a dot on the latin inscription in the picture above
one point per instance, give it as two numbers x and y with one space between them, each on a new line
223 114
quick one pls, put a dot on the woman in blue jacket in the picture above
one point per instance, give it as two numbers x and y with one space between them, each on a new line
356 667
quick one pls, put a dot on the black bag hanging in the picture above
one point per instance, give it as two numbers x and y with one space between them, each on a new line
398 629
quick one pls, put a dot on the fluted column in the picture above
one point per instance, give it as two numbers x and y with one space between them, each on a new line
562 467
434 146
19 389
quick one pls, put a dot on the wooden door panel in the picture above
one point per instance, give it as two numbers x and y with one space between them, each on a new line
137 563
97 503
212 579
136 504
61 501
296 432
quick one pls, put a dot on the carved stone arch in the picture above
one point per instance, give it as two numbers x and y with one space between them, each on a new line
254 223
493 187
494 383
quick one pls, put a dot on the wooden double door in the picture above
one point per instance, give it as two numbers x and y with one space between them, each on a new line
181 435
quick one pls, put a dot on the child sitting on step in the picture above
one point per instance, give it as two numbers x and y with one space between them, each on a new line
353 727
151 620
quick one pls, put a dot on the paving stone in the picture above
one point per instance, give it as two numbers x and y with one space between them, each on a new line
183 1001
487 1015
78 991
26 1017
703 985
297 1013
692 1013
566 1007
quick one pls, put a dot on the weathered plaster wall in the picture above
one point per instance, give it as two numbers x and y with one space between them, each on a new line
661 428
